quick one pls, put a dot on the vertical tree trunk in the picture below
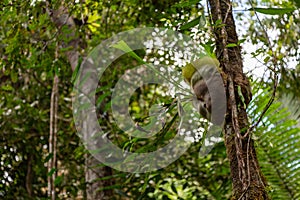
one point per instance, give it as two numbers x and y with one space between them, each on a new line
95 188
93 172
247 178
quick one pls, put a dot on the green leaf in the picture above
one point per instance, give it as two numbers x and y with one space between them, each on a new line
273 11
191 24
58 180
14 76
266 59
124 47
76 70
52 171
202 20
231 45
218 24
7 87
241 41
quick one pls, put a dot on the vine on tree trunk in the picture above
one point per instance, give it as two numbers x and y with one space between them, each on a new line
248 181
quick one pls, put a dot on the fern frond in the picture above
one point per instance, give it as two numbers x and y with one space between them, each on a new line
278 143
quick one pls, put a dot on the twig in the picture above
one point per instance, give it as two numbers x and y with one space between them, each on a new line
228 11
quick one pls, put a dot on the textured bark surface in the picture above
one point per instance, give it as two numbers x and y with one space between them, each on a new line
95 188
247 180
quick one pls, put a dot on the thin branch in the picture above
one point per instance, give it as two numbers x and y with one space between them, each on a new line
53 138
29 175
274 61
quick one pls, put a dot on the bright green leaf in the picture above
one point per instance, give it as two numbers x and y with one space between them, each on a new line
231 45
124 47
7 87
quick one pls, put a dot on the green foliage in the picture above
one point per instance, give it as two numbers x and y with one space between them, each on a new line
28 60
192 23
31 53
190 177
273 11
278 144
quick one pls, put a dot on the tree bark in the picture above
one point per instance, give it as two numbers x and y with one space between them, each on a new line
61 17
96 188
247 179
28 182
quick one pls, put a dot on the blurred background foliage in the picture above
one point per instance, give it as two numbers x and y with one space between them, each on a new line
31 55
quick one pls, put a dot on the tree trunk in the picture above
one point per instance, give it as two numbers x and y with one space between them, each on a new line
93 172
95 188
247 179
